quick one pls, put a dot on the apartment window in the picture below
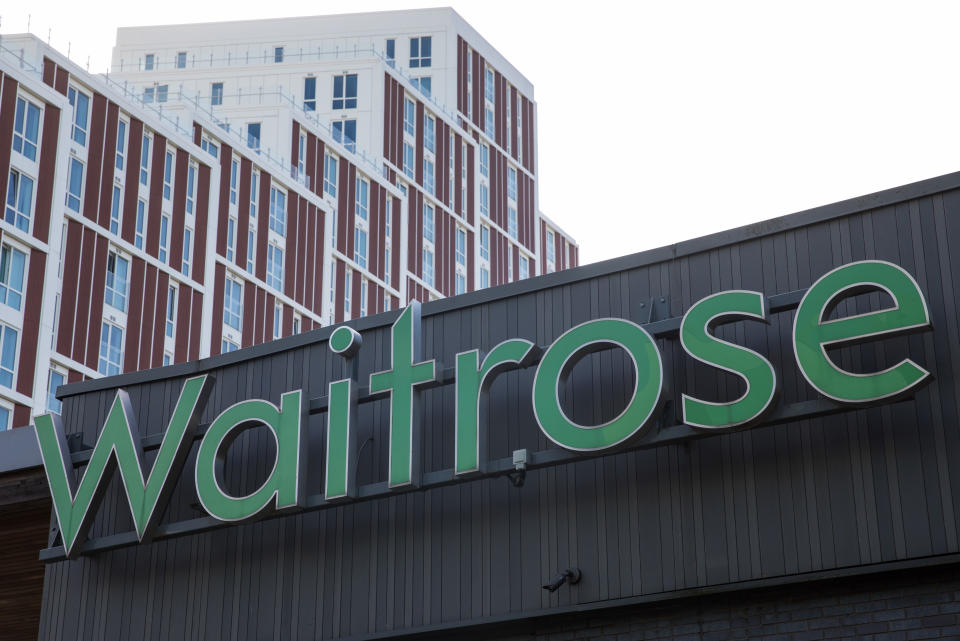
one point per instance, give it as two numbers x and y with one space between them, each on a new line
508 129
428 266
489 94
26 129
409 117
115 211
484 242
511 183
231 237
484 200
361 207
216 94
191 188
111 349
234 177
451 170
167 358
429 133
138 237
386 264
391 51
115 294
551 251
345 132
121 156
209 146
148 61
330 175
463 176
363 297
386 302
310 94
428 223
253 136
296 323
81 111
171 311
13 263
254 191
488 90
388 218
275 267
485 160
423 84
149 94
74 185
429 177
524 267
227 346
251 248
301 155
345 91
461 283
278 54
232 303
469 85
509 266
162 91
187 247
461 253
181 60
164 237
347 292
168 175
420 52
278 210
19 207
512 221
484 278
53 403
519 113
145 160
360 245
408 160
277 320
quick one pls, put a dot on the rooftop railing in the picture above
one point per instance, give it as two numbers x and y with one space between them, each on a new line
267 57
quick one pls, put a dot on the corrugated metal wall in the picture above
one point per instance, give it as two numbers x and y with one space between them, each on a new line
855 488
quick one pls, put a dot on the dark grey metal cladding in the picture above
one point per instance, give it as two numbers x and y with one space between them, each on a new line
854 489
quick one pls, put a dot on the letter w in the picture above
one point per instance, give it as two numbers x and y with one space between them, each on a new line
119 445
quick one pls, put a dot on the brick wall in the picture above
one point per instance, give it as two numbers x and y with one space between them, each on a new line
914 604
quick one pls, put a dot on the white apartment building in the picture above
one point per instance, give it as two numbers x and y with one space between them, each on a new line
234 183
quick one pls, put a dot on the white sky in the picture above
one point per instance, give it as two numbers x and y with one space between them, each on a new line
662 121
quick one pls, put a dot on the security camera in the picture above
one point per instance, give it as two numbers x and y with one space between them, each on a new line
570 575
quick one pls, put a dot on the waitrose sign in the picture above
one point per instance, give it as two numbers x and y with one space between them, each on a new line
119 445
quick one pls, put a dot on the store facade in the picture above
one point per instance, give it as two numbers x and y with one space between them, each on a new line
747 434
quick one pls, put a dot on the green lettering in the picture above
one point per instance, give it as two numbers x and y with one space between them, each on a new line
812 334
753 368
557 363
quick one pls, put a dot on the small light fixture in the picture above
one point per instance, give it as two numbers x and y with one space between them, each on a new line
570 575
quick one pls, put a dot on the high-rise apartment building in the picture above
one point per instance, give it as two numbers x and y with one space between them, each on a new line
229 184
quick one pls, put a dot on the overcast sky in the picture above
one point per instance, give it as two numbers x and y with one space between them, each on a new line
663 121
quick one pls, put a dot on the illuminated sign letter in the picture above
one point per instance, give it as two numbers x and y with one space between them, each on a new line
559 360
120 442
284 483
398 382
473 380
812 334
340 481
753 368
